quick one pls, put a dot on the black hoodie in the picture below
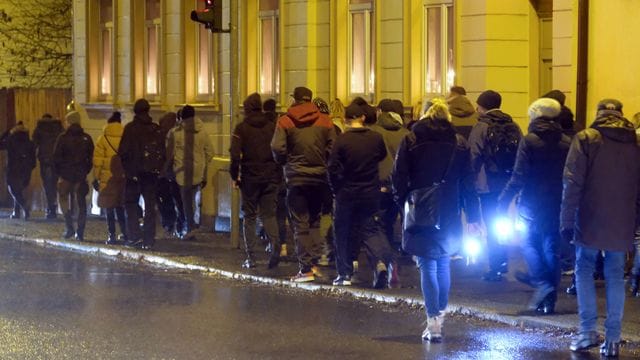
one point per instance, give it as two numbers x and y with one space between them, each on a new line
21 154
537 174
73 154
251 158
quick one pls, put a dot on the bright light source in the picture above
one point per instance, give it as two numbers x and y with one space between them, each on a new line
471 246
520 225
503 227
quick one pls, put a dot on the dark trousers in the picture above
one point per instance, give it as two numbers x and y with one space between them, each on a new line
170 205
387 217
49 183
282 213
189 203
259 199
497 253
16 188
355 226
541 251
305 203
112 213
74 193
145 186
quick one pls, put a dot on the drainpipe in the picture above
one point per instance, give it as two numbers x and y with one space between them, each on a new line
583 57
233 109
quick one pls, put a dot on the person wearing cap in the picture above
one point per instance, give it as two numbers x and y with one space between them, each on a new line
73 160
600 213
463 113
143 155
21 159
189 149
301 143
109 175
44 137
493 170
537 178
259 178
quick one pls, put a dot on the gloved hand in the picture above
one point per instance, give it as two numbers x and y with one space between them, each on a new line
567 235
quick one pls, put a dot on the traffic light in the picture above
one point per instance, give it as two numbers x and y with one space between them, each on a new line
211 16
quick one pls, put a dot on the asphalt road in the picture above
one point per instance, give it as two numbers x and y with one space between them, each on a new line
61 305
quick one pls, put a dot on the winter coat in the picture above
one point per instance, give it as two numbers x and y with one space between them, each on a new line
131 148
107 169
353 164
302 143
44 137
537 175
423 158
602 184
73 154
565 119
190 148
251 158
463 114
389 125
486 181
21 155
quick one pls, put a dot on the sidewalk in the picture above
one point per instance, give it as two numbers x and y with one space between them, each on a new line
504 301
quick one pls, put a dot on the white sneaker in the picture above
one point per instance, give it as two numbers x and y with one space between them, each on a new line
433 331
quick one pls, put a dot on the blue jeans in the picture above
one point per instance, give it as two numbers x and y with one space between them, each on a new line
435 279
586 290
541 251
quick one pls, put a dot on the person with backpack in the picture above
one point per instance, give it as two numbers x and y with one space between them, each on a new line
494 143
537 179
142 152
44 137
21 159
109 175
73 160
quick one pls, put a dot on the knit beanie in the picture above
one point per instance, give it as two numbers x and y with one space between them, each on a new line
115 117
544 107
489 100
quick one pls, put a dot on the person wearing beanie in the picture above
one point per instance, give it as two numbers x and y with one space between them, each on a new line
143 155
354 180
434 153
44 137
21 159
494 143
189 149
109 177
565 118
463 113
254 171
73 160
537 178
599 215
302 140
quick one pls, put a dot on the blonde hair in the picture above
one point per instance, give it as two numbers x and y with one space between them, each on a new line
337 113
635 120
417 110
439 109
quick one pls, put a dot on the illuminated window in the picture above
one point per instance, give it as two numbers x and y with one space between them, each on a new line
439 45
269 46
106 41
205 82
152 47
362 48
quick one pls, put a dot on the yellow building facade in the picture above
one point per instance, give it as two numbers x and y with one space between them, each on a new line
402 49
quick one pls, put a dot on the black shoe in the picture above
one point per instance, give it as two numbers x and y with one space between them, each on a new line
111 240
79 237
610 349
380 276
524 278
248 264
548 305
571 290
68 233
133 243
493 276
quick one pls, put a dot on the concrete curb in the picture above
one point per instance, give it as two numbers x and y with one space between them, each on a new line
364 294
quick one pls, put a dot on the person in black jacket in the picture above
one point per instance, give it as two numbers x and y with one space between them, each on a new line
44 137
353 175
255 172
434 153
21 159
143 154
537 177
73 160
565 117
600 213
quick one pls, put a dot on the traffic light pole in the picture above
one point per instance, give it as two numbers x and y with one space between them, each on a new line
234 107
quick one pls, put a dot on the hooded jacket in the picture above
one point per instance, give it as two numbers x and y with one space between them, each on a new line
190 148
105 150
537 175
302 142
251 158
601 183
21 154
131 148
73 154
44 137
463 114
389 125
486 181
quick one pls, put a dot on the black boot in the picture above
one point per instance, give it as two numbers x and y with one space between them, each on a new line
548 305
16 212
51 212
68 223
80 233
112 239
634 285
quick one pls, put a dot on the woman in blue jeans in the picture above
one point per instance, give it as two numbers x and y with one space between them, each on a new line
434 153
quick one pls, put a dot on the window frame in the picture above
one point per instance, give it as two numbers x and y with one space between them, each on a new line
447 62
370 37
108 26
157 24
212 45
274 16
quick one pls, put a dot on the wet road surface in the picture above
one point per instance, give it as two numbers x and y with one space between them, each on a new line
61 305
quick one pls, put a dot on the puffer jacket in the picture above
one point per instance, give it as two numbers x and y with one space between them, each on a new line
44 137
389 125
537 175
601 182
423 158
131 147
302 142
21 154
73 154
463 114
104 153
190 148
251 158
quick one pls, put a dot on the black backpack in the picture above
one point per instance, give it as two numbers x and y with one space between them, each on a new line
153 150
501 146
